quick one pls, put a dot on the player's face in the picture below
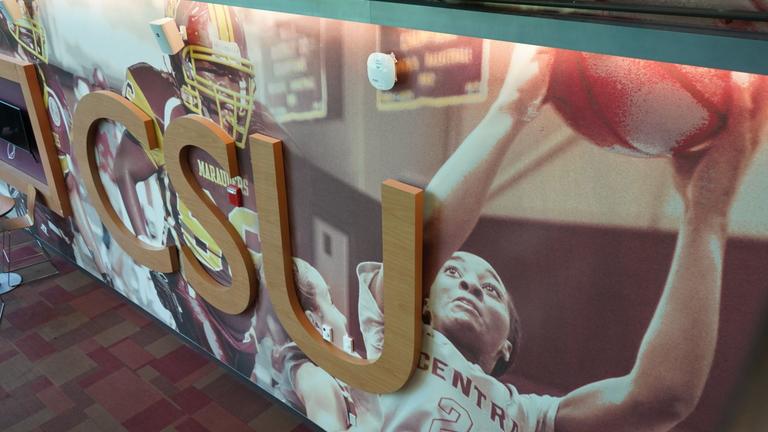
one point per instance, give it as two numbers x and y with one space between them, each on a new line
229 79
470 305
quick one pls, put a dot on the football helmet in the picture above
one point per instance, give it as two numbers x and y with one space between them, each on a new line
23 17
213 70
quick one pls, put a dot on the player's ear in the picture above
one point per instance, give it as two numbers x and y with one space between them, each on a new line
426 312
505 352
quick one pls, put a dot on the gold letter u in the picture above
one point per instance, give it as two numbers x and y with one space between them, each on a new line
402 228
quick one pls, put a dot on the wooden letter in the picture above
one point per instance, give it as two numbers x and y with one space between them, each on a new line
54 190
402 238
106 105
181 136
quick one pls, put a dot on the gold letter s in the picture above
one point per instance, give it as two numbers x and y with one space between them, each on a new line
181 136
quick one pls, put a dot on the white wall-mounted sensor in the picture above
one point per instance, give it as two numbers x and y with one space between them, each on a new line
327 333
168 35
381 71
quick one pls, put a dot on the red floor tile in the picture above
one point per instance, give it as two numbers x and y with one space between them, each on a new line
34 346
7 355
134 316
96 302
123 394
89 345
56 401
131 354
33 386
105 359
190 425
179 363
216 418
156 417
180 393
56 295
65 421
191 400
29 317
92 377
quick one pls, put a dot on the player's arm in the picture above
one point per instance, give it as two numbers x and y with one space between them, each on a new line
676 354
132 165
456 194
323 401
455 197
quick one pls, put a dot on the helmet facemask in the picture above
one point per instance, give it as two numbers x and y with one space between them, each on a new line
231 99
30 34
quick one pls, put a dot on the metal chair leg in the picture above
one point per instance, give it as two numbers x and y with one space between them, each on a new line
2 302
10 246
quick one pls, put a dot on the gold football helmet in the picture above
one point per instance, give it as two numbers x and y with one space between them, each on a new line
212 68
24 24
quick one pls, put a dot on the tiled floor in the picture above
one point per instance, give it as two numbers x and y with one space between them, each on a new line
74 356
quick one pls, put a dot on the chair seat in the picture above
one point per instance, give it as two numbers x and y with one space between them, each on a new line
6 204
5 278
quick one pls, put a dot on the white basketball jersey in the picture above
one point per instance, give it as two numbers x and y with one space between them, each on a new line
447 392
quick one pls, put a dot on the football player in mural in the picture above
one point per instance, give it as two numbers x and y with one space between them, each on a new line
472 331
211 76
23 36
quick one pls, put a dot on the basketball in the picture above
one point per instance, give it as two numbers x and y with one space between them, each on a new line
639 107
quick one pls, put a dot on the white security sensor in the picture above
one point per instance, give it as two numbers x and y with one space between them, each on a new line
381 71
327 333
168 35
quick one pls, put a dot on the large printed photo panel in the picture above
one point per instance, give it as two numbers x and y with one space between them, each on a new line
595 230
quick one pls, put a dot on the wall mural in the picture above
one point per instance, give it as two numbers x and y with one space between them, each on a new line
578 208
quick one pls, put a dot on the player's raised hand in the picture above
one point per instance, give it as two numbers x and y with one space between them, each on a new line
525 85
708 180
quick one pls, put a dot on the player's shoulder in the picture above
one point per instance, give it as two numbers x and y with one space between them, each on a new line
152 90
367 273
262 121
143 80
514 394
144 73
288 356
368 268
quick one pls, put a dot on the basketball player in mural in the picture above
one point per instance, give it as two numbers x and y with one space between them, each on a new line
338 406
472 331
23 37
211 76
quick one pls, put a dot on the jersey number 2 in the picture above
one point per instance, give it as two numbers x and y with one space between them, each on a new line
454 417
